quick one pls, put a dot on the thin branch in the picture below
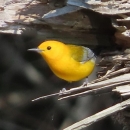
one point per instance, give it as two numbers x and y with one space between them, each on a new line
98 116
124 70
93 91
91 88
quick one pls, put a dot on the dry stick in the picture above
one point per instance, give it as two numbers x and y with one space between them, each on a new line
93 91
122 59
69 93
124 70
98 116
119 80
115 67
100 85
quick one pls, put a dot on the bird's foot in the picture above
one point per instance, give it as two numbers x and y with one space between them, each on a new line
63 91
85 83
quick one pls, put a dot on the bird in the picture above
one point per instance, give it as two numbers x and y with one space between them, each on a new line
67 61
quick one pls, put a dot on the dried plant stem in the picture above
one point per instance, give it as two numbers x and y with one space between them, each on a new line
98 116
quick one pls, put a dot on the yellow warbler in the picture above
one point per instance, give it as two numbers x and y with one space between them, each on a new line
68 62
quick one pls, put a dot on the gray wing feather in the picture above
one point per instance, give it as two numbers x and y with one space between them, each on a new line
88 55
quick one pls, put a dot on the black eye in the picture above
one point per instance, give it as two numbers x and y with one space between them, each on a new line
48 48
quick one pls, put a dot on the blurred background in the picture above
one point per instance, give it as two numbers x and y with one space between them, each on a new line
25 76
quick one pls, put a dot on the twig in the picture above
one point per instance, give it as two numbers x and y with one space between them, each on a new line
51 95
98 116
114 68
107 84
93 91
122 59
91 87
124 70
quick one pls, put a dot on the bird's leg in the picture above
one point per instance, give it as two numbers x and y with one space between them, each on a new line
85 83
63 91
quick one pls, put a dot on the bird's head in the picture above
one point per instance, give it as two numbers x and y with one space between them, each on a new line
50 49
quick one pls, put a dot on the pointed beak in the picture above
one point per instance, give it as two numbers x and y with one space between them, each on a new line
35 49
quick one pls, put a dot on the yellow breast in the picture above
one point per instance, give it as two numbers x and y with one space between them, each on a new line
71 70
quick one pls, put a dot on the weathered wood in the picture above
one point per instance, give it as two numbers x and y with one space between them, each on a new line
17 15
94 88
98 116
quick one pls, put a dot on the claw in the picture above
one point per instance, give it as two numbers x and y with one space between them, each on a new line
85 83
